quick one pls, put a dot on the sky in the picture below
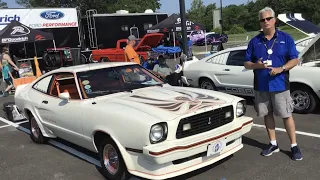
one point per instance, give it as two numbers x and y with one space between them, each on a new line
168 6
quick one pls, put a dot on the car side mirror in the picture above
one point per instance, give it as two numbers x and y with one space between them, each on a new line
64 96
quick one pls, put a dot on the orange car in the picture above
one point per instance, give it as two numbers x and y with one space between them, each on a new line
143 46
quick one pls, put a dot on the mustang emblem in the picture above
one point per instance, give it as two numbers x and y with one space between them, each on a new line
209 122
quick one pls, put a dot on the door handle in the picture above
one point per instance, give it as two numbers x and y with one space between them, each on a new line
45 102
226 69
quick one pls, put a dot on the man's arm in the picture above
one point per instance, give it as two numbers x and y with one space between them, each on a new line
249 56
6 56
293 55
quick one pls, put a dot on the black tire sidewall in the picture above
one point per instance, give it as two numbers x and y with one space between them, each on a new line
207 80
312 99
122 173
41 139
105 59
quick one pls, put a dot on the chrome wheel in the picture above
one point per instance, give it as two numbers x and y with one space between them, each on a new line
301 100
207 85
111 159
35 128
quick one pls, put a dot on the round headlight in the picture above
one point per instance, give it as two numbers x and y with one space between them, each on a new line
156 133
240 110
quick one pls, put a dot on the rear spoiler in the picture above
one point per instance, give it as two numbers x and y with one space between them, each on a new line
296 21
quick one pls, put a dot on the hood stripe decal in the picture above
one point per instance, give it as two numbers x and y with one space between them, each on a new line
187 99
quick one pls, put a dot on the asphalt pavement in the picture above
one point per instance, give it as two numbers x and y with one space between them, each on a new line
20 158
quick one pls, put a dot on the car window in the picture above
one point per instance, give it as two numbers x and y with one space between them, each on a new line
100 82
64 82
236 58
43 84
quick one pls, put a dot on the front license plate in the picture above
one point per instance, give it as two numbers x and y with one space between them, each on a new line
214 149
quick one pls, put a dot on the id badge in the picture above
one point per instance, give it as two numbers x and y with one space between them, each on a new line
268 62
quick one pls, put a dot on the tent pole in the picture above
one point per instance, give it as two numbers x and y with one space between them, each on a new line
54 45
205 40
25 49
35 48
184 26
174 44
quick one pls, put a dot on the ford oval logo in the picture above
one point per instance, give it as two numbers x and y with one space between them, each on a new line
51 15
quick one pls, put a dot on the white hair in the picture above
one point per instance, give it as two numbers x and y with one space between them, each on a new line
267 9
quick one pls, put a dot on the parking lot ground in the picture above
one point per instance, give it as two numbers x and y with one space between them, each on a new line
20 158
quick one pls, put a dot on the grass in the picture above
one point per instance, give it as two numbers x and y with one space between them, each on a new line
245 37
248 35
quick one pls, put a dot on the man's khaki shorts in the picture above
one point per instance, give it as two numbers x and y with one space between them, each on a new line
280 103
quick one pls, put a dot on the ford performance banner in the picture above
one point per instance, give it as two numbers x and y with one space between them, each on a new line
40 18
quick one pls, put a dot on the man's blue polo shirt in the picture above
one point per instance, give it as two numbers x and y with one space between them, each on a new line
284 50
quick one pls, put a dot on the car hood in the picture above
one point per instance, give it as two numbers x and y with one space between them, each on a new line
168 102
151 40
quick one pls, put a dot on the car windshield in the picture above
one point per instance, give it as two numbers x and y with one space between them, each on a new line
313 53
100 82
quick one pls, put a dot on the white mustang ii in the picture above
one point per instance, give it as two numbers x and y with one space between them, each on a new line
137 123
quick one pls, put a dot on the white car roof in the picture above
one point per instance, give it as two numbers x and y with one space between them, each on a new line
93 66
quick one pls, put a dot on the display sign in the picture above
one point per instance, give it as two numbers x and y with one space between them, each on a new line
40 18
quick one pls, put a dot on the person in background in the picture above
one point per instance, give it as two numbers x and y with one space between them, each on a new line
271 55
130 54
6 57
163 70
7 76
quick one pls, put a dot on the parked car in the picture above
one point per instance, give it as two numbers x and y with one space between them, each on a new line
142 47
224 71
212 38
135 122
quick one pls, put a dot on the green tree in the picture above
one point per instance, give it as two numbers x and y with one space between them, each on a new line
197 12
3 4
208 17
102 6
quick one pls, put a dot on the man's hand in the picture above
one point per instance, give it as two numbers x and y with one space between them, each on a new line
261 65
275 71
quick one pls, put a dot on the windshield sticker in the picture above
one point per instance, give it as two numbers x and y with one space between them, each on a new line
87 86
85 82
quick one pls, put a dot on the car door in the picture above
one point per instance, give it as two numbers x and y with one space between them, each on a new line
63 118
236 79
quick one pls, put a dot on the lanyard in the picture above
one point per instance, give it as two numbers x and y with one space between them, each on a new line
269 50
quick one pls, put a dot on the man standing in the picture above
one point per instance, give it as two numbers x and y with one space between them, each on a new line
130 54
271 55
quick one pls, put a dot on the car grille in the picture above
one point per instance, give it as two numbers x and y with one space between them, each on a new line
200 122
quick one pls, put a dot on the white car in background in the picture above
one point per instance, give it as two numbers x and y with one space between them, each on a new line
224 71
137 123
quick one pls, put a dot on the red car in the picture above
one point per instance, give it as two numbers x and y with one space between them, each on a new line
142 47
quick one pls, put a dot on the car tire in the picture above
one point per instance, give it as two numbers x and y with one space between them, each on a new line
35 132
304 100
105 59
206 83
108 149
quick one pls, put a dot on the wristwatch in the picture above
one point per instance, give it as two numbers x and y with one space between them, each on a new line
283 68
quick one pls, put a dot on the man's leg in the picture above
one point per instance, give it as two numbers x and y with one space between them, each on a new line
263 106
283 104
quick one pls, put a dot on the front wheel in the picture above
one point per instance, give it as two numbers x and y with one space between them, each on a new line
304 100
112 164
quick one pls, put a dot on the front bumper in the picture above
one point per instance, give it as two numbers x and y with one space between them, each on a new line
180 156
